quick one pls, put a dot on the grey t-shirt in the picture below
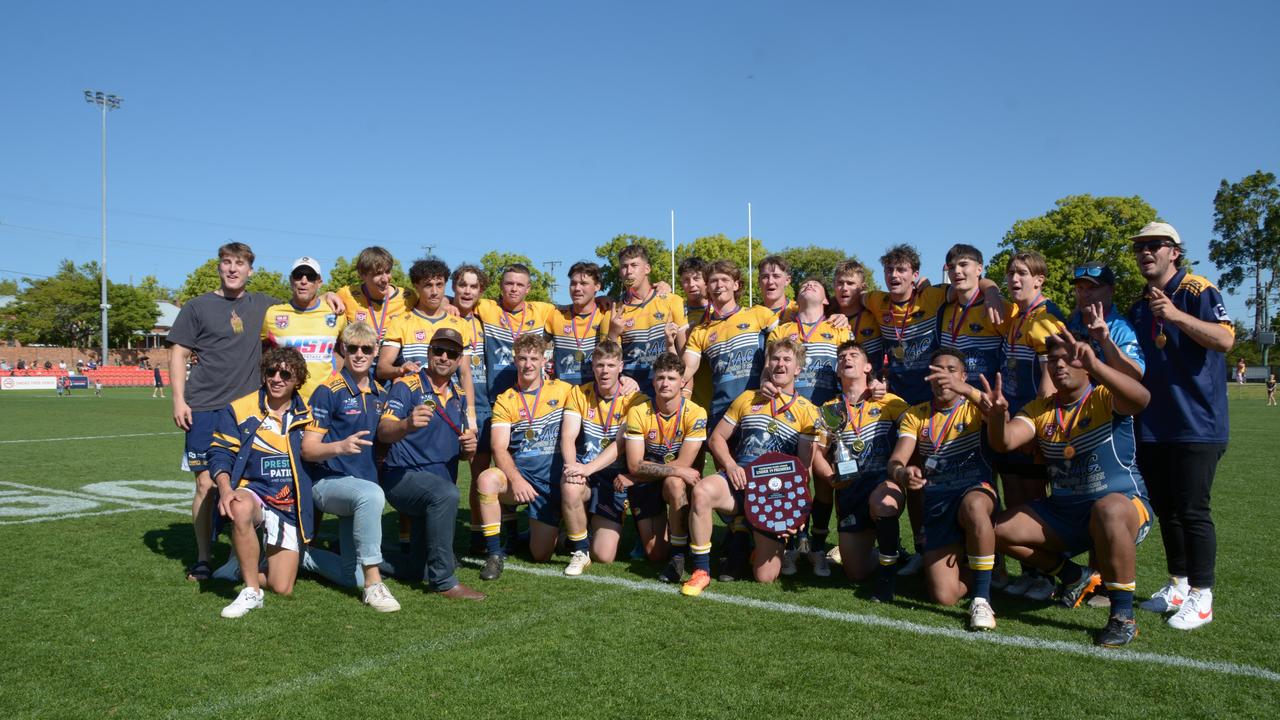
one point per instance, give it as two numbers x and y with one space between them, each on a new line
225 334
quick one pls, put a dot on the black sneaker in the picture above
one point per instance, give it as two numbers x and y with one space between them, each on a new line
883 592
735 567
492 569
674 572
1118 632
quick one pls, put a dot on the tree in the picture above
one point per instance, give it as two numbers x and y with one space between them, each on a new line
205 279
719 247
812 261
150 285
8 287
65 310
344 273
1080 229
1246 219
659 260
494 262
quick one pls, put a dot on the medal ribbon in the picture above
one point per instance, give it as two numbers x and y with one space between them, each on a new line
1017 331
946 426
653 293
773 405
608 417
516 330
900 331
857 323
381 322
574 328
1068 426
537 396
1157 327
441 403
713 316
956 324
474 333
862 405
804 337
663 437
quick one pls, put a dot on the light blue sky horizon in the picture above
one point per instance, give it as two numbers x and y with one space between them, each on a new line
547 128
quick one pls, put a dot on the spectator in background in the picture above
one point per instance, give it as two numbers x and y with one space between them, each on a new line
48 365
1241 367
22 364
62 365
1271 389
4 364
159 382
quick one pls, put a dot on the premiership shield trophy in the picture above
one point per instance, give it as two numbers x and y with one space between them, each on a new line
842 458
777 494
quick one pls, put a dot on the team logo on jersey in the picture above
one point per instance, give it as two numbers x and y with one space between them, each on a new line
331 320
270 425
827 336
652 435
756 408
699 424
711 338
361 316
282 321
874 412
658 315
743 326
960 427
529 323
975 327
591 413
917 314
888 317
419 335
552 402
867 332
1050 430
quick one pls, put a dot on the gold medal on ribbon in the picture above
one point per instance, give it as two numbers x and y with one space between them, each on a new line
1161 340
530 435
858 445
476 361
604 442
429 404
1012 363
1068 452
899 352
773 426
579 356
669 457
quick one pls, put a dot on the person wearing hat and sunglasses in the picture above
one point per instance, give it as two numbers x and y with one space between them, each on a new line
306 324
1185 331
1112 337
426 425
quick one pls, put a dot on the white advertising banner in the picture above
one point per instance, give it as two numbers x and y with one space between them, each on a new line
28 383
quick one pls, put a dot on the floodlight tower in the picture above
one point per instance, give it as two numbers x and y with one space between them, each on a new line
106 102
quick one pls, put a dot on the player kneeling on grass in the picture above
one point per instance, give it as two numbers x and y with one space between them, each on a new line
945 434
868 504
344 417
255 458
1099 501
594 417
664 441
525 440
785 424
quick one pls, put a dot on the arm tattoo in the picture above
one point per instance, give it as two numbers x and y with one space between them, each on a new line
650 469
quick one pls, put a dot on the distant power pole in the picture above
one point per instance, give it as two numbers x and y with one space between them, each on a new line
551 266
431 250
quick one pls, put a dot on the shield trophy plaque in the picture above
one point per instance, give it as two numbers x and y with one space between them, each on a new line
776 499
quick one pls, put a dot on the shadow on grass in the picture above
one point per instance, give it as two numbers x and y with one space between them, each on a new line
177 542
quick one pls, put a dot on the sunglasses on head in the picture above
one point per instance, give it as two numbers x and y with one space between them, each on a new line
284 374
353 349
1150 245
1092 272
451 353
308 274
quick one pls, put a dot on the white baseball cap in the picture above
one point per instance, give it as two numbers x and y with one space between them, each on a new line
310 262
1158 230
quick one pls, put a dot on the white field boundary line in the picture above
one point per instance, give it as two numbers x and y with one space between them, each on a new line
88 437
130 505
1014 641
397 658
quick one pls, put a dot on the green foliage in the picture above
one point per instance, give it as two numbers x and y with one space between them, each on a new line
719 247
8 287
344 273
205 279
1079 229
1246 219
65 310
812 261
659 260
151 287
494 262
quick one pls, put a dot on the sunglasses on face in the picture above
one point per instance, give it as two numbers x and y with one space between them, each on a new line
448 352
284 374
1152 246
353 349
310 276
1092 272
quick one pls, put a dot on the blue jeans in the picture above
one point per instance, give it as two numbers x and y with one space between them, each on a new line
358 504
431 502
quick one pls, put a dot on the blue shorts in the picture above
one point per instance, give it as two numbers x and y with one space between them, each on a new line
484 433
545 508
940 525
1068 518
1021 464
646 501
854 505
199 437
606 502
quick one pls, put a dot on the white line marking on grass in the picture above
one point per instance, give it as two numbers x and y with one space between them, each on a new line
87 437
71 516
130 505
1015 641
397 658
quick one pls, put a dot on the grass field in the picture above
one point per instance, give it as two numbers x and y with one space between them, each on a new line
98 622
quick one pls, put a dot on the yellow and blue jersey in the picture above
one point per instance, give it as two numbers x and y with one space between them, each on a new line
596 413
732 348
381 314
770 318
1122 334
501 329
1103 449
434 448
973 332
1188 382
644 335
339 409
411 333
313 332
864 329
533 417
645 423
956 460
764 426
573 341
697 315
874 423
909 335
1023 347
817 380
473 339
263 453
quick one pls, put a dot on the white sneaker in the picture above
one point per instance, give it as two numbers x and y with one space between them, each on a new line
789 562
913 565
378 597
833 555
818 560
248 599
1020 585
981 616
1196 610
578 561
229 571
1041 589
1168 598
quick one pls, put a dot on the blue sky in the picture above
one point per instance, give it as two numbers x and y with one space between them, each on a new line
549 127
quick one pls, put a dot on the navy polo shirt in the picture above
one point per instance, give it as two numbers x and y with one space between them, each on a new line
1188 382
433 448
339 409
